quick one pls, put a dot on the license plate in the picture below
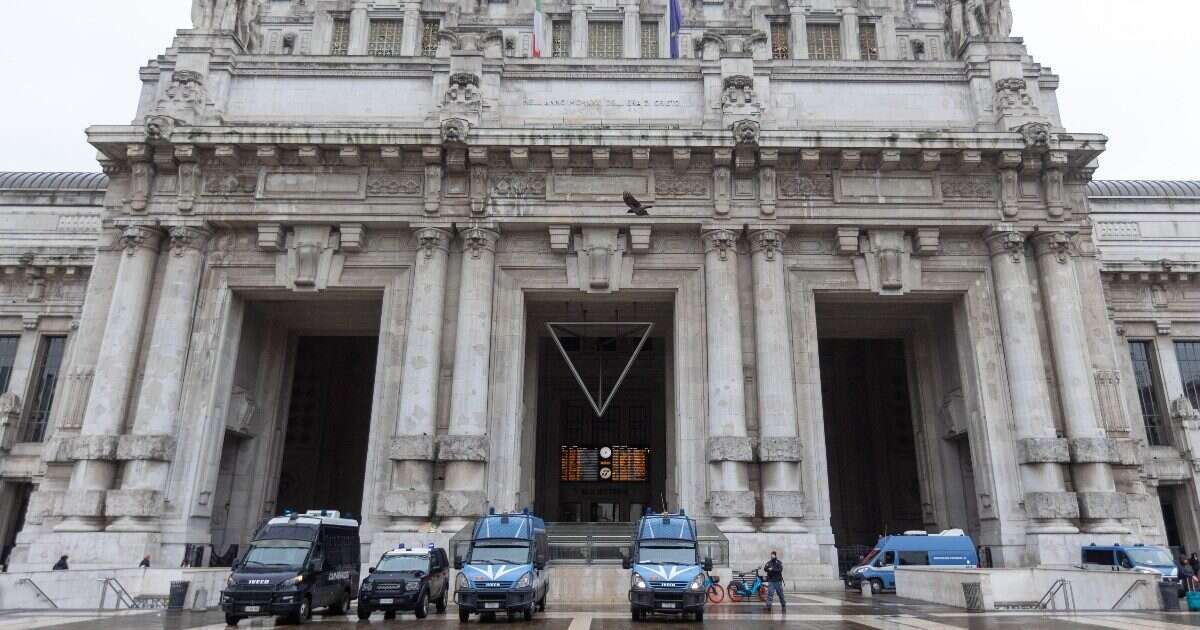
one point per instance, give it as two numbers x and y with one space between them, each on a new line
491 604
252 608
386 601
666 605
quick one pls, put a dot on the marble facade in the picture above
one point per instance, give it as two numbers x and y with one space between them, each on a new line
918 183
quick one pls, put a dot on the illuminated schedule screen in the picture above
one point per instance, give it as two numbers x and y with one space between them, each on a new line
607 463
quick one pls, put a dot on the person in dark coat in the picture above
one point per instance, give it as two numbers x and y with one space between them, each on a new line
1194 562
774 570
61 565
145 563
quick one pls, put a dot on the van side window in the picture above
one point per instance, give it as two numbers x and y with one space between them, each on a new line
1098 556
1124 560
914 558
888 559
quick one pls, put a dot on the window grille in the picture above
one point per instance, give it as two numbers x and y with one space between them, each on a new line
8 356
1188 353
649 40
38 411
606 40
385 36
824 41
429 37
1148 386
341 38
781 40
868 41
560 39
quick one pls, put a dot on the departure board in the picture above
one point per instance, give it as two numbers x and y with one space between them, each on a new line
607 463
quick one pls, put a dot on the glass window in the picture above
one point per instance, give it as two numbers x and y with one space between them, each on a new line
914 558
1098 556
277 553
429 37
606 40
8 354
1188 353
384 39
824 41
404 562
341 38
560 38
868 41
42 398
649 40
781 40
1141 355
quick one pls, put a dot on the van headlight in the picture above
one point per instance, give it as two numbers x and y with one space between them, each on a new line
638 582
697 583
526 581
461 583
412 585
229 581
296 581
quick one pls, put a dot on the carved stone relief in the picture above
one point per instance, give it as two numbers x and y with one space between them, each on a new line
793 186
519 185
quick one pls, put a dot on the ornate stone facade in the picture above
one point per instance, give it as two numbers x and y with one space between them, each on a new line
460 181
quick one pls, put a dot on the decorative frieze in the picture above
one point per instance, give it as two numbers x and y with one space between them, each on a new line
690 186
401 185
519 185
230 184
411 448
969 187
462 448
804 186
730 449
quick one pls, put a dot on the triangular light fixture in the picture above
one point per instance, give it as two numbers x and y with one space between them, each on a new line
599 400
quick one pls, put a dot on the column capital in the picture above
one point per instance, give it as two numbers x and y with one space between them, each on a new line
431 239
134 237
185 238
479 238
720 239
767 241
1006 241
1057 244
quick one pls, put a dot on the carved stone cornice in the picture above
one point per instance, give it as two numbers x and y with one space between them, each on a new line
477 239
432 239
1057 244
134 237
768 241
1006 243
721 240
185 238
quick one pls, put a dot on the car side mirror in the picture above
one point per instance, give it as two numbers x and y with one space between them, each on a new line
708 565
317 565
539 565
370 569
626 563
458 564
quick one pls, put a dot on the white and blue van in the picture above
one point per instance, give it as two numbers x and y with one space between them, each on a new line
667 575
505 567
1146 559
951 549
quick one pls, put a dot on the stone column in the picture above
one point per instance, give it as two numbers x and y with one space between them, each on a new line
360 29
779 442
632 31
799 29
95 448
1091 452
465 445
150 448
409 500
579 30
850 48
410 35
730 450
1041 453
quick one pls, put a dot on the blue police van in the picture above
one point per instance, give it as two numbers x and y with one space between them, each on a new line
1146 559
504 569
666 573
951 548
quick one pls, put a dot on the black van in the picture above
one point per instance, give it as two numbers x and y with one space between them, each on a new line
406 580
295 563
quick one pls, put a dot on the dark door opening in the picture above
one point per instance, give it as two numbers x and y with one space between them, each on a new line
329 421
873 484
15 498
1166 500
609 468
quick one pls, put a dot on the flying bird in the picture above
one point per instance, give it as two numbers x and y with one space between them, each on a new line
635 206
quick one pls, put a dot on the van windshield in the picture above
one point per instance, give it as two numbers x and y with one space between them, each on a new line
507 552
276 553
1149 556
660 553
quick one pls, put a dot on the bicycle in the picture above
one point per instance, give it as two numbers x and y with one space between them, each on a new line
713 589
742 588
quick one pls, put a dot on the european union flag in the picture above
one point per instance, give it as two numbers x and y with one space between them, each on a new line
675 20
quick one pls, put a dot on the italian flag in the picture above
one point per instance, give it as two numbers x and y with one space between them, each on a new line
539 27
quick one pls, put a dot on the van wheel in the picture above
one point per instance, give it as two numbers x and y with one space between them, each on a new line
441 603
422 608
876 586
364 613
541 605
699 615
232 620
528 613
464 615
339 607
636 614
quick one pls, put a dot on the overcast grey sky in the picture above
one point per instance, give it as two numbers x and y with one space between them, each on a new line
1128 68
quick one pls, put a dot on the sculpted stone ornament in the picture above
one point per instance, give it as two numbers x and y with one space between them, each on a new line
464 88
1013 99
184 238
769 242
1035 134
185 99
455 130
739 90
746 132
136 236
241 17
159 128
10 416
724 241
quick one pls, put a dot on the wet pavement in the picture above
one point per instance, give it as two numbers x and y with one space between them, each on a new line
806 612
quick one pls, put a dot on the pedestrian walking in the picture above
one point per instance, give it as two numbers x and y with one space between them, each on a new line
1194 562
145 563
61 565
1186 575
774 571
